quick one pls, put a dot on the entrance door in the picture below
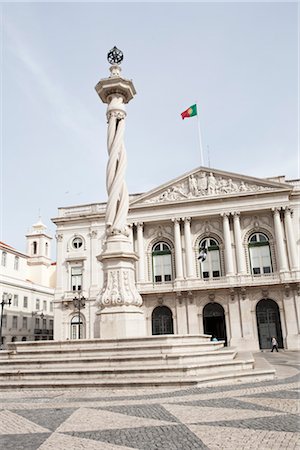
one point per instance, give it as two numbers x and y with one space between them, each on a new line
214 321
162 320
268 323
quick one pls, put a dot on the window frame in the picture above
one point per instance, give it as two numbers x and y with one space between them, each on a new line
208 261
259 244
165 277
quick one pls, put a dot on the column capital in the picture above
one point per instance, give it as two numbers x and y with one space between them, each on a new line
236 214
187 219
288 211
175 220
139 224
225 215
59 237
276 210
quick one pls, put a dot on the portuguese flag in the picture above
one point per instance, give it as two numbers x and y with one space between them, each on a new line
190 112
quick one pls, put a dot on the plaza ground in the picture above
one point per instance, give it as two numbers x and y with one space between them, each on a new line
262 415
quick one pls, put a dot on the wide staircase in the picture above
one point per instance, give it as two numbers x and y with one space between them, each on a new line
165 360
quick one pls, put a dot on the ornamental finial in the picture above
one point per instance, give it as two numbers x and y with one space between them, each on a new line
115 56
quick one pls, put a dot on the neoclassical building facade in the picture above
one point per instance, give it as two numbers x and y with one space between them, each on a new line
217 253
29 279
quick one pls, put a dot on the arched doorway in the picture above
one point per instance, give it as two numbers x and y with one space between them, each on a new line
162 320
77 331
268 323
214 321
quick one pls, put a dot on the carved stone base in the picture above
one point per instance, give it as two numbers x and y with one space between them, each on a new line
120 314
121 322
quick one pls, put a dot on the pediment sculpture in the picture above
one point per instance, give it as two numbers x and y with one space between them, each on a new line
205 184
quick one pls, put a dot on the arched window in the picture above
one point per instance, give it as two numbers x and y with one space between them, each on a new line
209 256
260 256
77 243
34 247
3 259
162 262
77 330
46 249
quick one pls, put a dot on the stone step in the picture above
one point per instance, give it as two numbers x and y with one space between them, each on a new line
149 349
146 370
40 360
244 376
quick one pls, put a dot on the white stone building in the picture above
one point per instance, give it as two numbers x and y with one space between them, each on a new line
245 291
30 279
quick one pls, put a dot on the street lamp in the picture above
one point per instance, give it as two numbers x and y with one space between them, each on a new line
79 302
6 300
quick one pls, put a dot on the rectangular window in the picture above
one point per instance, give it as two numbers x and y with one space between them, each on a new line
44 305
44 324
51 324
37 304
16 263
25 302
15 322
51 306
37 322
16 300
24 323
4 321
76 278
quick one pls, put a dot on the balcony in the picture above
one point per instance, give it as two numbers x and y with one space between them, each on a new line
224 282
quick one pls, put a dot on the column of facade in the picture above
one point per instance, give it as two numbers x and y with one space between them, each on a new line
292 335
235 319
240 256
59 267
227 242
291 241
282 260
94 281
140 252
249 341
178 251
188 248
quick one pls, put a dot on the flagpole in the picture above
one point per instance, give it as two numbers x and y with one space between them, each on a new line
199 136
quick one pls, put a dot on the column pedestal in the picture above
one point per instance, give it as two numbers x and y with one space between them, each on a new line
120 313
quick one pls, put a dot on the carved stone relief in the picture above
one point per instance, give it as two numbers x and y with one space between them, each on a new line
205 184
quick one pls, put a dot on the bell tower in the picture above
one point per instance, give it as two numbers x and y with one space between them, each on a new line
39 252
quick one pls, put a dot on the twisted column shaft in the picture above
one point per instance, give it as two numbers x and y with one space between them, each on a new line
118 199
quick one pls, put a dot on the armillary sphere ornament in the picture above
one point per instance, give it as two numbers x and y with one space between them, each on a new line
115 56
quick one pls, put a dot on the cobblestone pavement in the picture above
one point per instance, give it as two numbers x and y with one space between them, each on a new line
261 415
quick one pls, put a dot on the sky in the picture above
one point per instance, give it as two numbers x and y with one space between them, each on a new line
239 62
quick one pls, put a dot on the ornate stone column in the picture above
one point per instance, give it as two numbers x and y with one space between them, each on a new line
188 247
178 252
240 256
291 241
141 252
227 242
119 302
282 260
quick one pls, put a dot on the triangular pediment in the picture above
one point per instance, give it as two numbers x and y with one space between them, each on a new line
204 183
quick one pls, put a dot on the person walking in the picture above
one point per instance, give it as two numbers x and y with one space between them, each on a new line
274 344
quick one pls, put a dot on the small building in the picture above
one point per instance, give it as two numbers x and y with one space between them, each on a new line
30 280
218 253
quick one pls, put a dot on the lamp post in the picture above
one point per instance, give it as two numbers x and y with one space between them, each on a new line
6 300
79 303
